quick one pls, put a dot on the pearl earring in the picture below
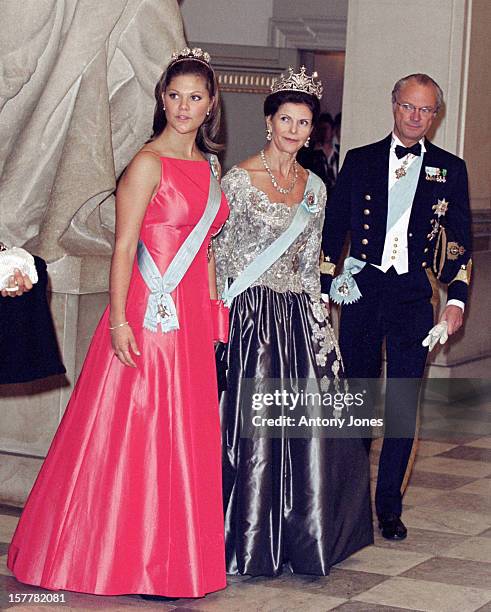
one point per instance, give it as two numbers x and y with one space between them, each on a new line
269 133
307 142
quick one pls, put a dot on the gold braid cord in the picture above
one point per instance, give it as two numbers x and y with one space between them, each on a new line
441 239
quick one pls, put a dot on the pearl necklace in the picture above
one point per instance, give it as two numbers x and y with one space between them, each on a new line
284 190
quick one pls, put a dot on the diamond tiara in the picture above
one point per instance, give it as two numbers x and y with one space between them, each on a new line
191 54
298 81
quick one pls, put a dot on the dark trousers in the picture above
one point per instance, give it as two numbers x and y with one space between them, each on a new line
396 308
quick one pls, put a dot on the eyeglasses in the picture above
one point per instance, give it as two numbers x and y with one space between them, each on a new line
426 111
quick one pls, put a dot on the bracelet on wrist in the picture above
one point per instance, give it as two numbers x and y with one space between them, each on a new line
119 325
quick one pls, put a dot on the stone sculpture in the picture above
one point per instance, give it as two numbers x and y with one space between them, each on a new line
76 102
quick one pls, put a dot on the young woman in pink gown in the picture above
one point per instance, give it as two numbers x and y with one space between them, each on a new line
129 497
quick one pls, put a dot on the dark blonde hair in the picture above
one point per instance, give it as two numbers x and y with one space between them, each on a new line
209 129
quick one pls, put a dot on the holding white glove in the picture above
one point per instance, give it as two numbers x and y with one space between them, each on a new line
438 333
15 262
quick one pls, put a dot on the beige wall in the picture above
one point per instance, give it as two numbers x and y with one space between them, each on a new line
291 9
232 22
477 141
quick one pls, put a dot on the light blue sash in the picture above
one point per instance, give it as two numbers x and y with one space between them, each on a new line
160 306
401 195
273 252
344 289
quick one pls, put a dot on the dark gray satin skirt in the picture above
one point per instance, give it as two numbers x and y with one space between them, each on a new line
303 503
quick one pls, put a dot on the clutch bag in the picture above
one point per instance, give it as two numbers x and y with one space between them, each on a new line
220 318
16 258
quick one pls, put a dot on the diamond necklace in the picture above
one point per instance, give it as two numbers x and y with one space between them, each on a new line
283 190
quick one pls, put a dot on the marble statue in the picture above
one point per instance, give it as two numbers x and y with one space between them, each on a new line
76 103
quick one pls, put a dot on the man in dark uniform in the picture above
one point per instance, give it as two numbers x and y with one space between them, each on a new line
405 203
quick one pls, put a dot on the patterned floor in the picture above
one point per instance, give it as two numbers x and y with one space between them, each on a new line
443 566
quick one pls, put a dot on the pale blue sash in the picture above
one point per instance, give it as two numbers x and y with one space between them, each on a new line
273 252
344 289
160 306
401 195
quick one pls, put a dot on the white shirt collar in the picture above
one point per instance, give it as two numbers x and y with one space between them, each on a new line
395 142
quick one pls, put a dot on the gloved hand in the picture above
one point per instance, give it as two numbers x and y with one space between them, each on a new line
437 333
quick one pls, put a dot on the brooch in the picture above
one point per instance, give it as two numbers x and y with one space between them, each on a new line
435 174
214 168
310 203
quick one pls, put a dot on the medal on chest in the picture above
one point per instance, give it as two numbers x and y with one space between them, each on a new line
401 171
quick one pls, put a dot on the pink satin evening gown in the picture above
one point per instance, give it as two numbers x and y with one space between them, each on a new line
129 498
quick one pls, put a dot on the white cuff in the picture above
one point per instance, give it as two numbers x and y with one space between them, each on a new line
458 303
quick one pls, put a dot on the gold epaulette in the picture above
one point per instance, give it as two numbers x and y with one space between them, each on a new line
464 274
326 265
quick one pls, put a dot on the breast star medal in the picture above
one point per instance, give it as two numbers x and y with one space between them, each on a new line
440 208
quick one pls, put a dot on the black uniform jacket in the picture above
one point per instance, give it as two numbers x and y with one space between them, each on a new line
439 232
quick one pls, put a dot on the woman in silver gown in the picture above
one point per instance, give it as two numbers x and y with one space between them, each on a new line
298 501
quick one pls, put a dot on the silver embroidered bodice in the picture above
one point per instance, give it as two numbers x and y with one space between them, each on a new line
254 223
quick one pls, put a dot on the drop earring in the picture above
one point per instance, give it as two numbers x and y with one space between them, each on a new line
307 142
269 133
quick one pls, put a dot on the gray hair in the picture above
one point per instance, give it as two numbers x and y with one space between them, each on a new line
421 79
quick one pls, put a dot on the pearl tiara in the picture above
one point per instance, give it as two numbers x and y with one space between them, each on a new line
298 81
191 54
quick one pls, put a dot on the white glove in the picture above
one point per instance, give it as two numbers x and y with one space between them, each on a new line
437 333
13 258
325 298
